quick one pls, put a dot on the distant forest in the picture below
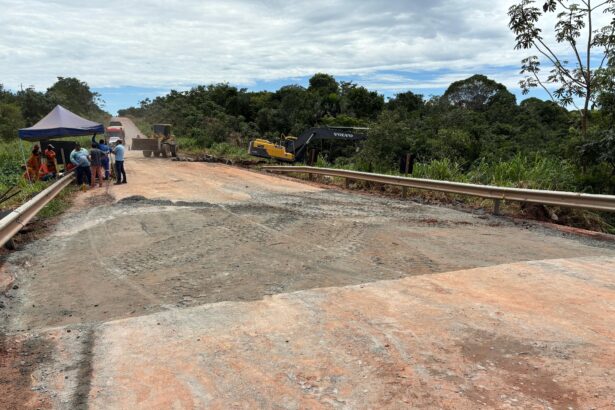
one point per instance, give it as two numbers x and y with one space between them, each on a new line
476 123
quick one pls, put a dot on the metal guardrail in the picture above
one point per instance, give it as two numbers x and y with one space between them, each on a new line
557 198
16 220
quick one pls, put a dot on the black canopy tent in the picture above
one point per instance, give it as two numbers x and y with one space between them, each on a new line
59 123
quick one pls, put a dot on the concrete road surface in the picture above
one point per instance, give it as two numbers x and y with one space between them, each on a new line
206 286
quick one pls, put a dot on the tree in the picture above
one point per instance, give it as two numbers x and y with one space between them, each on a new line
575 29
76 96
34 105
606 97
602 150
5 95
323 84
10 120
475 93
406 102
360 102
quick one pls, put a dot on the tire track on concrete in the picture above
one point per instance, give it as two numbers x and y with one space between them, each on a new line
306 245
117 273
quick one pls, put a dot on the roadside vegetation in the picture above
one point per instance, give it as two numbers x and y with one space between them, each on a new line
25 108
475 132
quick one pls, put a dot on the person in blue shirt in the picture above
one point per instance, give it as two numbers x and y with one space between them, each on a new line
107 151
120 173
79 157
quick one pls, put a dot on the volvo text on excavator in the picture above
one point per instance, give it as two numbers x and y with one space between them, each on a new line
293 149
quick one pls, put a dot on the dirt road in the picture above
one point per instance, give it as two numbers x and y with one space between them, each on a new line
129 266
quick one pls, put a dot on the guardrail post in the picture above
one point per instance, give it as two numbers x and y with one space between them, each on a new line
10 245
496 207
347 183
404 192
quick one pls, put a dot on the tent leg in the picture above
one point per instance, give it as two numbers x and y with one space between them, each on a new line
23 155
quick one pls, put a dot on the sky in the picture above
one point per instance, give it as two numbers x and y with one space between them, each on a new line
131 50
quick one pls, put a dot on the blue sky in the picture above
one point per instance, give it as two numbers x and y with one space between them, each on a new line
128 50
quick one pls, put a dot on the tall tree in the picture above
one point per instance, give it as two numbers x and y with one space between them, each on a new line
75 95
476 93
588 48
34 105
10 120
406 101
323 84
359 101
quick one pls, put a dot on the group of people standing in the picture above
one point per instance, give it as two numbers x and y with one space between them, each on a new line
92 165
89 166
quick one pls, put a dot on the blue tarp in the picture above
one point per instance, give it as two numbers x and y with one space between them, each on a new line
60 123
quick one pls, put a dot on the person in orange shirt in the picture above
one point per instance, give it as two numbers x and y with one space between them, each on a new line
51 159
33 164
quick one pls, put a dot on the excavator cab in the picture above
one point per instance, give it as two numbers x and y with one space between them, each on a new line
267 149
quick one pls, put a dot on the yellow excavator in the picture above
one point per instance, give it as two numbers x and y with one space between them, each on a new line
293 149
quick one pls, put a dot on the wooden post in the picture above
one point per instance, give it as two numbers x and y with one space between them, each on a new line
63 158
496 207
407 163
10 245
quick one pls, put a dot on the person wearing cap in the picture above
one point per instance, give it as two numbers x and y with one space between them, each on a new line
50 154
79 157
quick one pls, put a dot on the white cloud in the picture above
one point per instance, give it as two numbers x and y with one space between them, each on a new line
155 43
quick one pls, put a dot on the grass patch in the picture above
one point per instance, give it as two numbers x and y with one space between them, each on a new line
519 172
11 171
220 149
60 203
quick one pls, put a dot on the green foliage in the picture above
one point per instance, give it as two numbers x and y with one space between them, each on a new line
34 105
323 84
10 121
226 150
76 96
359 102
25 108
440 169
572 78
477 93
11 161
524 172
387 140
406 102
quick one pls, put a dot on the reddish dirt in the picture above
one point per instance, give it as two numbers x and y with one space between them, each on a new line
20 357
526 335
